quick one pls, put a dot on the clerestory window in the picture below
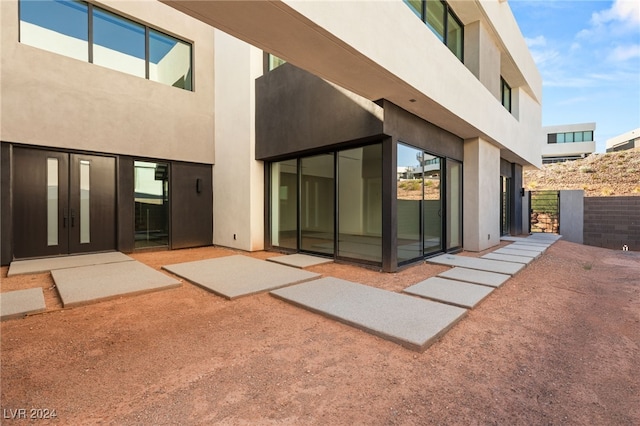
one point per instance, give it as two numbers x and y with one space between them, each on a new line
86 32
442 21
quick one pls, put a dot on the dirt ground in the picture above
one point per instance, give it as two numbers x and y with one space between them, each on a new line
557 344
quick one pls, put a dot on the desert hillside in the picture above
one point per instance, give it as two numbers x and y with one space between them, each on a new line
599 175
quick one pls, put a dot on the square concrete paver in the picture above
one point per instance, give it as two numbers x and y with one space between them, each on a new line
236 276
406 320
300 260
508 258
490 279
465 295
516 252
88 284
33 266
523 246
550 238
477 263
510 238
18 303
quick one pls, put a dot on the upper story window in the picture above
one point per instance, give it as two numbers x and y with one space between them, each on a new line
442 21
86 32
505 94
569 137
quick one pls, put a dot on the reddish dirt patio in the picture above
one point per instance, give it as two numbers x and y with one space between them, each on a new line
557 344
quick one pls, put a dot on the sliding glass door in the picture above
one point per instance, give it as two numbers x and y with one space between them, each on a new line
284 204
432 204
419 204
409 203
329 204
317 197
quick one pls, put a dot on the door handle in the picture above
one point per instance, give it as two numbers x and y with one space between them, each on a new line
73 217
65 214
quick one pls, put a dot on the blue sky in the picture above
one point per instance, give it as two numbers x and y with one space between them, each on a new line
588 52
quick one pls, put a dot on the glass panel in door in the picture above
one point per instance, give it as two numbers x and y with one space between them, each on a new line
151 182
360 203
432 204
505 222
454 204
317 195
409 198
284 204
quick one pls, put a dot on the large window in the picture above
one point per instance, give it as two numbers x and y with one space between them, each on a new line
118 43
568 137
329 204
57 26
88 33
442 21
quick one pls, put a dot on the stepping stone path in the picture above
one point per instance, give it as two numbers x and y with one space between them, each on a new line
412 322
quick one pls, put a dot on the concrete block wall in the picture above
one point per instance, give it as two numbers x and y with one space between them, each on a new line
612 222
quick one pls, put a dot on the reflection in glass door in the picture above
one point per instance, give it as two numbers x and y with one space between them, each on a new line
419 204
432 204
151 204
454 204
409 197
505 190
284 204
317 195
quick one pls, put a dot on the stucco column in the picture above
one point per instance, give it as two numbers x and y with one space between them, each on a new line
238 179
481 208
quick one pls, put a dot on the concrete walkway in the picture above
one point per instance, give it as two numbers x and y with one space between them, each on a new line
414 322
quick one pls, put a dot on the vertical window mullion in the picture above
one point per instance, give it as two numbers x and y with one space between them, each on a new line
90 30
146 52
446 24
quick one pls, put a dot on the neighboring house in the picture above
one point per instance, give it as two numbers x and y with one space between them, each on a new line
624 141
568 142
143 127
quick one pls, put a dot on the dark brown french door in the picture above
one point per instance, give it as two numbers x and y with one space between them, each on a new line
62 203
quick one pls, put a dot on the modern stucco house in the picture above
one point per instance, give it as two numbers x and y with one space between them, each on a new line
255 124
568 142
628 140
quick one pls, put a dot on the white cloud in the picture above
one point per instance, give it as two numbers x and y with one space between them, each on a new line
622 10
576 100
536 41
624 53
544 57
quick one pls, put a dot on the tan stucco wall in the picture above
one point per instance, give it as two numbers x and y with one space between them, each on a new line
238 179
56 101
481 199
